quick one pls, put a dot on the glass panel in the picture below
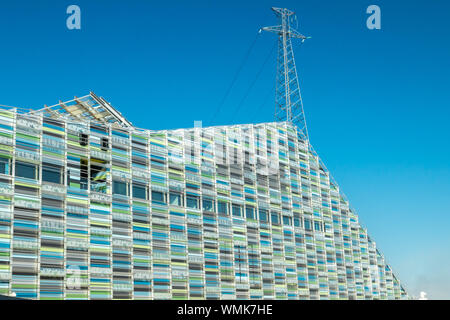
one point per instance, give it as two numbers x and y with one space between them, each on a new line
4 165
208 205
287 221
250 212
308 224
83 174
98 175
192 202
263 215
158 197
237 210
317 226
175 199
275 218
51 174
139 191
222 207
119 188
26 170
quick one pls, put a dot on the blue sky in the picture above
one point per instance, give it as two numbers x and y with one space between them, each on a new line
376 101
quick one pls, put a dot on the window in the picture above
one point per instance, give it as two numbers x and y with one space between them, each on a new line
287 221
237 210
99 175
139 191
104 143
192 202
208 205
297 220
222 207
26 170
84 174
175 199
263 215
317 226
275 217
308 224
52 173
158 197
250 212
120 187
83 139
4 165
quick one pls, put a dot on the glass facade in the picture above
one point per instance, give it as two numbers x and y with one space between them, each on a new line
99 211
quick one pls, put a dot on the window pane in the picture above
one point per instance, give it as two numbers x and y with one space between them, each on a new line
287 221
98 175
4 165
237 210
175 199
308 224
139 191
158 197
25 170
83 139
192 202
250 212
119 188
317 226
83 174
263 215
275 218
105 143
208 205
50 174
222 207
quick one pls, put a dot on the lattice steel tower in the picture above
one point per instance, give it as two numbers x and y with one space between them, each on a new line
289 106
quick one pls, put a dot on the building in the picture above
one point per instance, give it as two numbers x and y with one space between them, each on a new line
94 208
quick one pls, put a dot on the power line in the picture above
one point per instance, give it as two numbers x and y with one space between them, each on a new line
253 83
247 54
266 98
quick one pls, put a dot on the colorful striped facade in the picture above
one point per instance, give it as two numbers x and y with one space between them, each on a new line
96 211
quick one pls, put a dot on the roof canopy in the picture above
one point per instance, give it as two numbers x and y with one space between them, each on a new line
87 108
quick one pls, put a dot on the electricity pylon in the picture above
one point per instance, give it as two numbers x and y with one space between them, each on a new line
288 100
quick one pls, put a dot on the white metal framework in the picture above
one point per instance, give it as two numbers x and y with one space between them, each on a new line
90 107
